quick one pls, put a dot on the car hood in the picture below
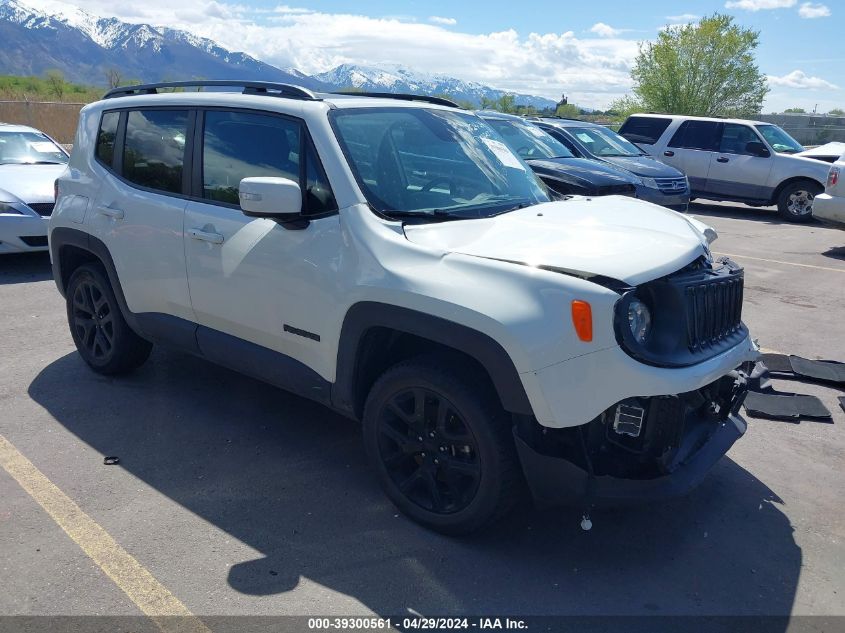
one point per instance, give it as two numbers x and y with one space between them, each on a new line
828 150
587 171
29 183
614 236
644 166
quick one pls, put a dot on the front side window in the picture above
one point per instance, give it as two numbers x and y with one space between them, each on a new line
780 141
703 135
238 145
735 137
29 148
644 129
428 162
529 141
603 142
154 151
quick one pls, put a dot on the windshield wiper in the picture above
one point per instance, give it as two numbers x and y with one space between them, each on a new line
434 214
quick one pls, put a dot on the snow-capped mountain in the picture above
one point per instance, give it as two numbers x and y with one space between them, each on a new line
86 48
401 79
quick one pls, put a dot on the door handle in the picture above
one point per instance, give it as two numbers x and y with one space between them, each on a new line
722 159
117 214
206 236
668 153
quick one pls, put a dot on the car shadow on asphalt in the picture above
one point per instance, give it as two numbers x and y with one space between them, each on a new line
24 268
766 215
837 252
287 477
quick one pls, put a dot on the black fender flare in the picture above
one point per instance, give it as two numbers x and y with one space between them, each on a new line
366 315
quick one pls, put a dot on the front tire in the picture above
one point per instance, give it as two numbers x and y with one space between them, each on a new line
795 202
103 338
442 445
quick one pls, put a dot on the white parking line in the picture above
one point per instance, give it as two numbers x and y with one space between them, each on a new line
778 261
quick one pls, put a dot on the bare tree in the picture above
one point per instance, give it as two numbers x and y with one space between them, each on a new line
57 83
114 77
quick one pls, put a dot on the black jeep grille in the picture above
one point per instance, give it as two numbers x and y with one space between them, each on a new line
44 209
714 311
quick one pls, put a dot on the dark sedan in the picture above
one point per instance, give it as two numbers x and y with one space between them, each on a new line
656 182
555 164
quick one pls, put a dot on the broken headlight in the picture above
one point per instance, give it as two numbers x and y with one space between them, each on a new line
639 320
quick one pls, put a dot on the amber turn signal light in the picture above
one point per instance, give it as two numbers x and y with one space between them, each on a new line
582 319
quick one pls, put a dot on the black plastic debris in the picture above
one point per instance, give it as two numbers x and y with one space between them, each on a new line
824 370
785 406
842 402
111 460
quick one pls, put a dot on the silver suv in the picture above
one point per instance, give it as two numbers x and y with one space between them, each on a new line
733 159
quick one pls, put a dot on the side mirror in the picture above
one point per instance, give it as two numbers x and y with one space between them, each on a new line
274 198
756 148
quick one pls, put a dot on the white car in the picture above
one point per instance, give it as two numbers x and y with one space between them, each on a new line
30 162
830 205
733 159
394 260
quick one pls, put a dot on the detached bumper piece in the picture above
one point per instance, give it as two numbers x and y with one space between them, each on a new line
641 449
764 402
824 370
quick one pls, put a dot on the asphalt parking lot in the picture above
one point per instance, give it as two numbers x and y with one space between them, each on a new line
241 499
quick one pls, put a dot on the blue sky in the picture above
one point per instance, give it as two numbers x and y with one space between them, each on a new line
542 47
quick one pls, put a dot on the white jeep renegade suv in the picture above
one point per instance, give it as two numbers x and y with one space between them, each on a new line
392 259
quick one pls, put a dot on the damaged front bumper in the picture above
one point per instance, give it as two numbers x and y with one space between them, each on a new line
640 449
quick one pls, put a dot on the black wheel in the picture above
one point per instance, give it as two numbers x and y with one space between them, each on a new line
102 336
441 445
795 202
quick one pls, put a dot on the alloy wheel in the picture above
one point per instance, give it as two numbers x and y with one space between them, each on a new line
429 451
800 202
93 320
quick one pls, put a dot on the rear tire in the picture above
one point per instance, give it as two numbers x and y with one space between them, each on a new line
103 338
441 444
795 202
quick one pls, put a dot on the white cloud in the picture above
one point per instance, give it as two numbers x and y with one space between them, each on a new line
591 71
799 79
758 5
440 20
684 17
604 30
809 10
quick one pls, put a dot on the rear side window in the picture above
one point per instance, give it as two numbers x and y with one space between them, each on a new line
703 135
644 129
239 145
154 150
106 137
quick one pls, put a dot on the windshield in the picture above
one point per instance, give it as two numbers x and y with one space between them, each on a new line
29 148
604 142
528 140
415 161
780 141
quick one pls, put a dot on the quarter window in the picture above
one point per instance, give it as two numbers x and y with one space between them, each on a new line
106 137
644 129
154 151
703 135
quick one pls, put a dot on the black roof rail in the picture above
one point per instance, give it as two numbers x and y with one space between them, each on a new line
288 91
402 97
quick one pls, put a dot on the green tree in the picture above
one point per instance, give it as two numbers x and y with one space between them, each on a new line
568 111
705 69
837 112
795 111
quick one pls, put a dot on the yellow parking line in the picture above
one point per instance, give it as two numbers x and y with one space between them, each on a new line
152 598
778 261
